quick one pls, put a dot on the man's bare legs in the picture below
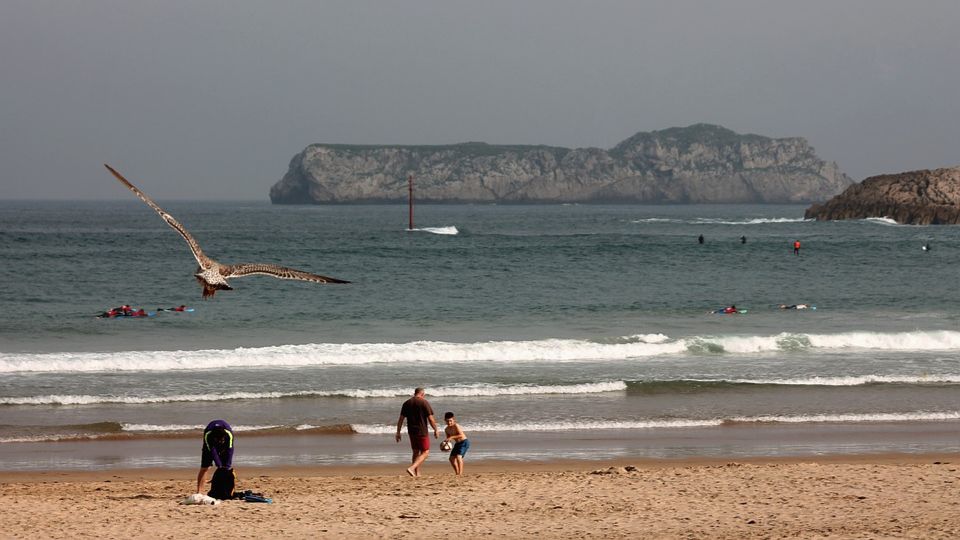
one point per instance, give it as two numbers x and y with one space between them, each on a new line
419 456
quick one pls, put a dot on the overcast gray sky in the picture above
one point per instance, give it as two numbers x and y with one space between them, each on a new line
210 100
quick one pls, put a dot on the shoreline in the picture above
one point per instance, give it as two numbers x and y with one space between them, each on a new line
435 467
740 442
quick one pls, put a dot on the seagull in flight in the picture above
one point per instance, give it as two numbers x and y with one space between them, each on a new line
211 274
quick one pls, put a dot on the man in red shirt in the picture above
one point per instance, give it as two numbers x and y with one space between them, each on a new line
418 413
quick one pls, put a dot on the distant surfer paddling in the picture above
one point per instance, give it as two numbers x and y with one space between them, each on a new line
119 311
123 311
212 275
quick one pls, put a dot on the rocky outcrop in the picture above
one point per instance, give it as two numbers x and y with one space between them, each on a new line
697 164
918 198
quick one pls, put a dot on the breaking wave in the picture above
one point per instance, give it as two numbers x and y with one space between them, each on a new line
687 423
547 351
475 390
126 431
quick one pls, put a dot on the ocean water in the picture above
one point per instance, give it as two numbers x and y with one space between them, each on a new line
552 332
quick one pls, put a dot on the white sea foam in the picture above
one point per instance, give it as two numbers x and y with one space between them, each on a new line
377 429
127 428
855 380
882 220
855 417
160 428
656 220
942 340
475 390
485 390
43 438
550 350
936 340
546 426
134 400
451 230
753 221
722 221
547 351
472 390
650 338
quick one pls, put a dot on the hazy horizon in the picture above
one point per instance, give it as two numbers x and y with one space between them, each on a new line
211 100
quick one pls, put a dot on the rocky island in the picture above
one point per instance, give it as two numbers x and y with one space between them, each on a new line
926 197
701 163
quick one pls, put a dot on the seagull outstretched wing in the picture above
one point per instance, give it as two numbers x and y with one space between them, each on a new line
202 259
282 272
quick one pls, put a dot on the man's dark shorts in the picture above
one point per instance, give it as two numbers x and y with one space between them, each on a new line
421 444
206 457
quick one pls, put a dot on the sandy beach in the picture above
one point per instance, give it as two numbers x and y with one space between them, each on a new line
876 496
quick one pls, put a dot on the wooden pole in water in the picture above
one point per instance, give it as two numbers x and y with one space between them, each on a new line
410 181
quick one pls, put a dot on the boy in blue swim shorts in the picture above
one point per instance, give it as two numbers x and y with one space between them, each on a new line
456 437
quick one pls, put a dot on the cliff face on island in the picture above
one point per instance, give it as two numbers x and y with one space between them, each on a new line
697 164
918 198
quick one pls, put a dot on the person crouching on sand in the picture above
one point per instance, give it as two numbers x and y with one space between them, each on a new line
217 448
458 439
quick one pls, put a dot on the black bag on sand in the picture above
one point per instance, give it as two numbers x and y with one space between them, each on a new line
222 484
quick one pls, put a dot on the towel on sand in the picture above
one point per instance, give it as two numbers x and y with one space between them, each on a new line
199 498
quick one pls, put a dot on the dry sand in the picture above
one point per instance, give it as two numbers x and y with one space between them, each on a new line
851 497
